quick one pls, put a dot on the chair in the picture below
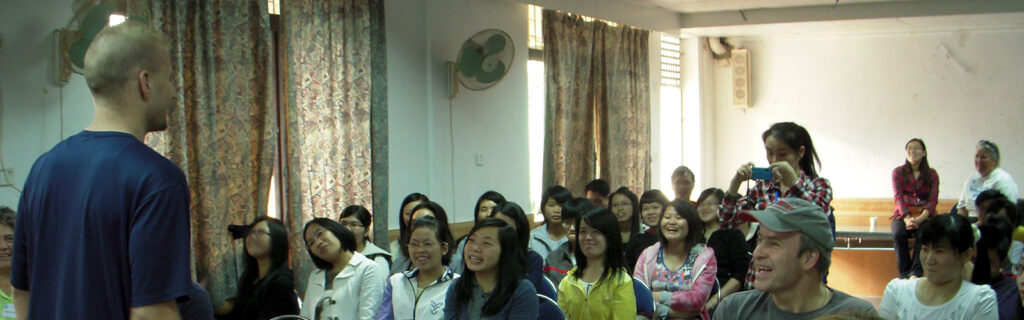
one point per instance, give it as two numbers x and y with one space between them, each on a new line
644 299
547 288
549 309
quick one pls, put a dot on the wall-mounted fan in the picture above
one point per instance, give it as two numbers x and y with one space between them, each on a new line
483 61
73 40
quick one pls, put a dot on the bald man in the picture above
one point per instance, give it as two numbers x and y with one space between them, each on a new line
103 223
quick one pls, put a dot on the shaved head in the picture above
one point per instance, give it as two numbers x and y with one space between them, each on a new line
118 53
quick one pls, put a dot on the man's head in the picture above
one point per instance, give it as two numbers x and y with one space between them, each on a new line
983 200
597 191
128 69
682 182
794 243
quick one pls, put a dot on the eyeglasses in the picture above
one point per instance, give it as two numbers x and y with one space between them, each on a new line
417 245
351 225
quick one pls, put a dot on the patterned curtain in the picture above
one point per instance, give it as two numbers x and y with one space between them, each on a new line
330 47
597 104
222 133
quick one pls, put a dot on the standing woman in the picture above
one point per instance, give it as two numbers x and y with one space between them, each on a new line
793 164
345 282
679 269
494 285
626 208
420 293
916 189
551 234
988 175
400 258
358 221
946 246
729 246
599 287
484 205
265 289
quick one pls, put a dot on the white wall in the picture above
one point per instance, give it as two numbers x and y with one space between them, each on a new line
31 118
862 97
421 37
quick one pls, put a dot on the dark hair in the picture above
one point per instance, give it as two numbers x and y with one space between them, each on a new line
403 229
952 228
991 147
361 214
795 136
247 286
995 235
694 226
682 170
439 214
989 194
511 269
575 208
718 193
1003 203
605 222
441 232
599 186
559 193
634 227
7 216
653 196
491 195
514 211
345 238
908 170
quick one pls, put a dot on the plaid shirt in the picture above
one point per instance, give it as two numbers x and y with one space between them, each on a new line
913 192
817 191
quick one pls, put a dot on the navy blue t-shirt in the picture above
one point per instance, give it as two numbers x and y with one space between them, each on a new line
102 227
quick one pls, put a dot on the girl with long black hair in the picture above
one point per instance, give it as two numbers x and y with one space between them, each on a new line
493 285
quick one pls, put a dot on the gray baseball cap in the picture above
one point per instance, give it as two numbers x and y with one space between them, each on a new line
793 214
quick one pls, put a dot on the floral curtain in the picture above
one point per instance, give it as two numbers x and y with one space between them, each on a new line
597 103
333 69
222 132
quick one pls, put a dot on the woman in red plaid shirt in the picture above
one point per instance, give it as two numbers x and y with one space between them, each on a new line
793 165
916 191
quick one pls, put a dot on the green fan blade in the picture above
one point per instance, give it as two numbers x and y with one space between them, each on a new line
495 43
469 63
96 19
77 52
493 75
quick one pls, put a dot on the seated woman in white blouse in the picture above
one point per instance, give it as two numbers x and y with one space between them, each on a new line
345 285
988 176
946 245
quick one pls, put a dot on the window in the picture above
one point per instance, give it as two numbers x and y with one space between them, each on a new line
671 118
535 104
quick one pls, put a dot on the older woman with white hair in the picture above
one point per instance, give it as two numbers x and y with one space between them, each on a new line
988 176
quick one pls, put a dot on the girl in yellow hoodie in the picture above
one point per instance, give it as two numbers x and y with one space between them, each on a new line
599 287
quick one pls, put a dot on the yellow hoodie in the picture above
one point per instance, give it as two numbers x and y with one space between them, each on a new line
610 298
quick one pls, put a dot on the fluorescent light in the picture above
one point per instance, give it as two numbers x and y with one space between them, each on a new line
116 19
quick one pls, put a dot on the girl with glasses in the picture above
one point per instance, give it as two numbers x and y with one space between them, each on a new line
358 220
420 293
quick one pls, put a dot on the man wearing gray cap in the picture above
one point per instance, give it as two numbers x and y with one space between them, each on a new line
793 253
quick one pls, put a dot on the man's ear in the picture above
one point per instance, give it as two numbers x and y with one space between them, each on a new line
809 260
145 89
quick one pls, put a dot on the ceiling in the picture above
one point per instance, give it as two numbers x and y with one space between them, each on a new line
693 6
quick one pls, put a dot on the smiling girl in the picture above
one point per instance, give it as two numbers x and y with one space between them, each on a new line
345 282
599 287
420 293
494 285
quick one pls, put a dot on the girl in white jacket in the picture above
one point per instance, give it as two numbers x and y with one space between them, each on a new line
420 293
345 282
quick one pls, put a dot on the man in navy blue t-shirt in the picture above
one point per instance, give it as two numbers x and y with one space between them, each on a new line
103 222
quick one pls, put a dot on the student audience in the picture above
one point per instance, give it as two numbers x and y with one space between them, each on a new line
728 244
1008 210
563 258
792 162
597 191
651 203
494 285
513 215
988 175
400 257
793 254
266 288
599 287
421 293
946 246
358 221
916 192
988 268
551 234
345 283
682 182
626 208
483 208
679 269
